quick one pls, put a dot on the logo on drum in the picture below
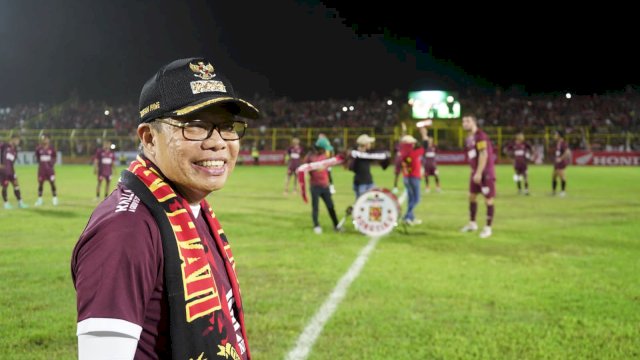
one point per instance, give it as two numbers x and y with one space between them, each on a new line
376 212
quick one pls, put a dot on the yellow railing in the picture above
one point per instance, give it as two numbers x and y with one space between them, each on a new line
82 142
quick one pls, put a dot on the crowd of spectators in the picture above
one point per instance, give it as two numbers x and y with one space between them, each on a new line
616 113
70 115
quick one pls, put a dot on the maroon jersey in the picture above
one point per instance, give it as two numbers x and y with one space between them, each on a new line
561 148
521 153
8 156
398 160
105 160
430 164
118 272
46 158
295 157
473 145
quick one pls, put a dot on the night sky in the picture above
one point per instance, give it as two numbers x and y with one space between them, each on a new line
105 50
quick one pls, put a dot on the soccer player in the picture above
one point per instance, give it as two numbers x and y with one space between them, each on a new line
430 165
397 168
46 158
255 153
294 156
8 155
154 273
397 162
521 152
483 177
103 165
562 158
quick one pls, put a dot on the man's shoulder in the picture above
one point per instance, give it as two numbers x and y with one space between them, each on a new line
122 209
480 134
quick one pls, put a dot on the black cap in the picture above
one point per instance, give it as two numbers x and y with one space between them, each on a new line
187 85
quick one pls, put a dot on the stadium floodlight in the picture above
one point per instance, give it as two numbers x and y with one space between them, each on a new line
351 108
434 104
568 95
389 102
344 108
106 113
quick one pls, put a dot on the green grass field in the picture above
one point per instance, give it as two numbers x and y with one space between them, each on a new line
557 280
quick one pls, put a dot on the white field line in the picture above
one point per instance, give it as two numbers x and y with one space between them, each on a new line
315 326
310 334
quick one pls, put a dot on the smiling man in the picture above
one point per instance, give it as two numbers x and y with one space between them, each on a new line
153 270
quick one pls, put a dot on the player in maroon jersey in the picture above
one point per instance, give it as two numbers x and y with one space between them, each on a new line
46 157
294 158
562 158
397 162
430 165
104 163
8 156
521 152
483 177
397 167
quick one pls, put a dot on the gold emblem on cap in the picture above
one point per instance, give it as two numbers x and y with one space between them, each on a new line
202 70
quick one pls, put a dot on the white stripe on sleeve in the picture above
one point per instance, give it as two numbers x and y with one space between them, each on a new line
92 325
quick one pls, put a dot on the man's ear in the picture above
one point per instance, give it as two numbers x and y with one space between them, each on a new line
147 138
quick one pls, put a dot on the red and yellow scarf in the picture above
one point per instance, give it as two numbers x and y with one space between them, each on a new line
194 301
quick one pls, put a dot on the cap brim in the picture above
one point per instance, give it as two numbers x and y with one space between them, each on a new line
245 109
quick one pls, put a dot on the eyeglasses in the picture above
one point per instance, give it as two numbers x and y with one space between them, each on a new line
197 130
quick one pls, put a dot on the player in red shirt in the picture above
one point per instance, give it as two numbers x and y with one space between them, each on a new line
104 163
46 157
430 165
397 162
483 177
562 158
8 156
521 152
294 157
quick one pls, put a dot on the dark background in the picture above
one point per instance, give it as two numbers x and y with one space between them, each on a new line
105 50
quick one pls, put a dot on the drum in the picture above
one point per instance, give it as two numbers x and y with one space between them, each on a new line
376 212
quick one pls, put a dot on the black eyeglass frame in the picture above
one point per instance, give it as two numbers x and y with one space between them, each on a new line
207 125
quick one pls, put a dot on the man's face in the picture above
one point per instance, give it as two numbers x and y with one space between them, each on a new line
15 142
468 123
196 167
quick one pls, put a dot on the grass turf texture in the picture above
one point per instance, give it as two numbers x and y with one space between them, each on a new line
557 280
